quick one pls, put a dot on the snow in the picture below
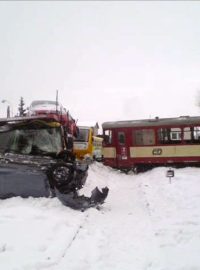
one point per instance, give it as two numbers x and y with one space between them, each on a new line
146 223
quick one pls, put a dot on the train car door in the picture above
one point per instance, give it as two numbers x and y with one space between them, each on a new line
109 148
122 153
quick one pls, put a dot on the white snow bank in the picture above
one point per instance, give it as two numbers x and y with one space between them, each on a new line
146 223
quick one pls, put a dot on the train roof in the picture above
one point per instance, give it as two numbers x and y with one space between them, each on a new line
182 120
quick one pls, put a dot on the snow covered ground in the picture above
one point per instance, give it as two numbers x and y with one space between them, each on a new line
147 223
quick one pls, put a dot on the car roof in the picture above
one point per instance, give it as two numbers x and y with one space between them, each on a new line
39 102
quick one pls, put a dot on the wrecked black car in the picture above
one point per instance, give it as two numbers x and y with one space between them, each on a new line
36 159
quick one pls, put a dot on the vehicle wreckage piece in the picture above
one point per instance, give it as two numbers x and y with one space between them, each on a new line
81 202
35 161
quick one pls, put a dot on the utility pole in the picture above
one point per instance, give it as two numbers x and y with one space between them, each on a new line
56 100
8 111
9 108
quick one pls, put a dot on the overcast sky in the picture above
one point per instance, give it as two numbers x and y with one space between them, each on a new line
109 60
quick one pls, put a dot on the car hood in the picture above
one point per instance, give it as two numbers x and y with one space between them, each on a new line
32 160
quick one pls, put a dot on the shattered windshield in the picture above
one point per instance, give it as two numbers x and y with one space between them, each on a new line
34 141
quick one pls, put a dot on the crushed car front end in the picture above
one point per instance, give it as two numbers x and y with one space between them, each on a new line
30 159
35 161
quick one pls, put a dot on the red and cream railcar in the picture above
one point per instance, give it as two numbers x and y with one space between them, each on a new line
151 142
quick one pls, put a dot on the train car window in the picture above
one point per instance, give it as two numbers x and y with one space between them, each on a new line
196 134
169 135
144 137
108 136
163 135
121 137
188 134
175 134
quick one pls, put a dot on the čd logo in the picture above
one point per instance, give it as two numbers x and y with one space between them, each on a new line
157 151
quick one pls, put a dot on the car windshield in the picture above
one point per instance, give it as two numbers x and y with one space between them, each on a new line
43 102
39 141
83 135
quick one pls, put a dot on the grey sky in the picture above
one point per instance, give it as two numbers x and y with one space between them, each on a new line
109 60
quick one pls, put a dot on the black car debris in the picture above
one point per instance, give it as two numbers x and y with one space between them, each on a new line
36 160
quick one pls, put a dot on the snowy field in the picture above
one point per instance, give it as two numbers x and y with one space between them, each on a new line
147 223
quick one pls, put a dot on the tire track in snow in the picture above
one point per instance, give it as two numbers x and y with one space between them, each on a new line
105 240
54 264
75 235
